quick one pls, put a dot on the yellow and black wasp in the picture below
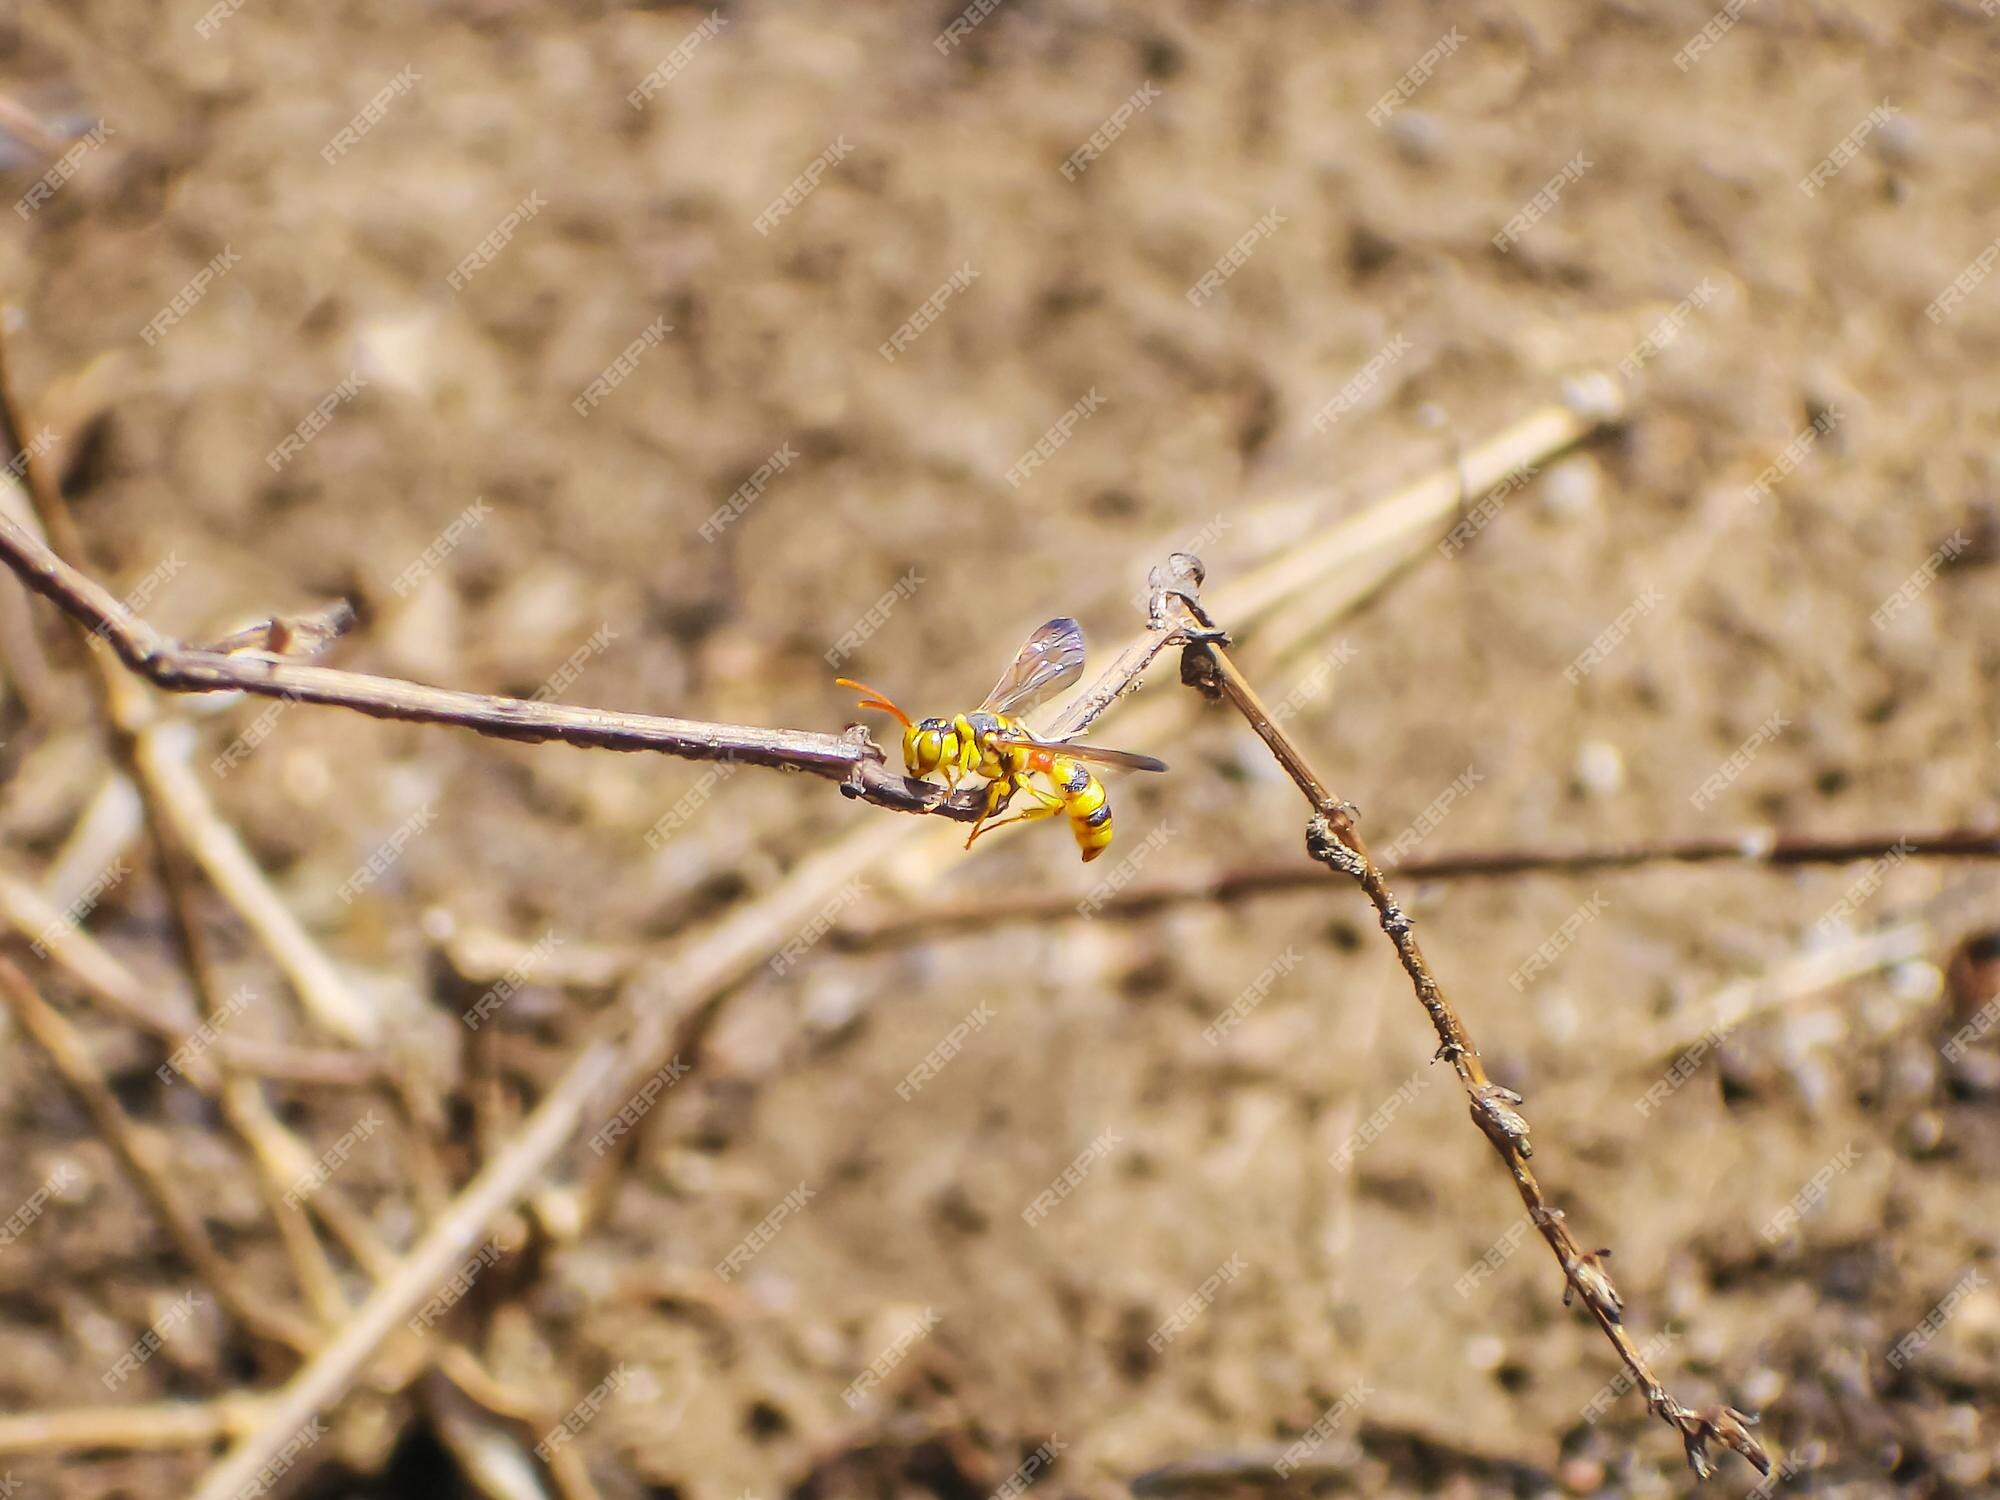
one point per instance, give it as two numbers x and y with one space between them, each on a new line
991 741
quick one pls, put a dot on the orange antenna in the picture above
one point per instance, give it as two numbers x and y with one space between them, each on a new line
875 699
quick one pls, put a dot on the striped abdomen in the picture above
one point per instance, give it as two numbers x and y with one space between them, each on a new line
1085 803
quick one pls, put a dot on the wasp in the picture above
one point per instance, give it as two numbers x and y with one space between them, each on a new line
992 741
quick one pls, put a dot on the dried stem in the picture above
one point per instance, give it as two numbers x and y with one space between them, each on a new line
852 759
919 918
1333 840
146 1159
418 1274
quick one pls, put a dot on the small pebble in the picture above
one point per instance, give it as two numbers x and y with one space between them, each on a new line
1418 135
1600 768
1582 1476
1571 490
1925 1132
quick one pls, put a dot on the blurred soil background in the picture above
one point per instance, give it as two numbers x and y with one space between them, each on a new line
1818 306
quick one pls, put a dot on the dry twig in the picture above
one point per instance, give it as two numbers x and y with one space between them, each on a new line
1333 840
919 918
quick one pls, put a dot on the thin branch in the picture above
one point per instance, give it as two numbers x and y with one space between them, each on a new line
1333 840
106 980
1246 882
146 1159
440 1251
164 1424
852 759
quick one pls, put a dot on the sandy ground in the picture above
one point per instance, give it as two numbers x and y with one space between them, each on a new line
1684 188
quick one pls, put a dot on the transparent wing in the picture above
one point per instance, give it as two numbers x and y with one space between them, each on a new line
1131 760
1051 660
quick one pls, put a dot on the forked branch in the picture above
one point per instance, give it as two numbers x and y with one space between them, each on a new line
1333 840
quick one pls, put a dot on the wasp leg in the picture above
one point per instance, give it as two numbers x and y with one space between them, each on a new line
998 793
1047 805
